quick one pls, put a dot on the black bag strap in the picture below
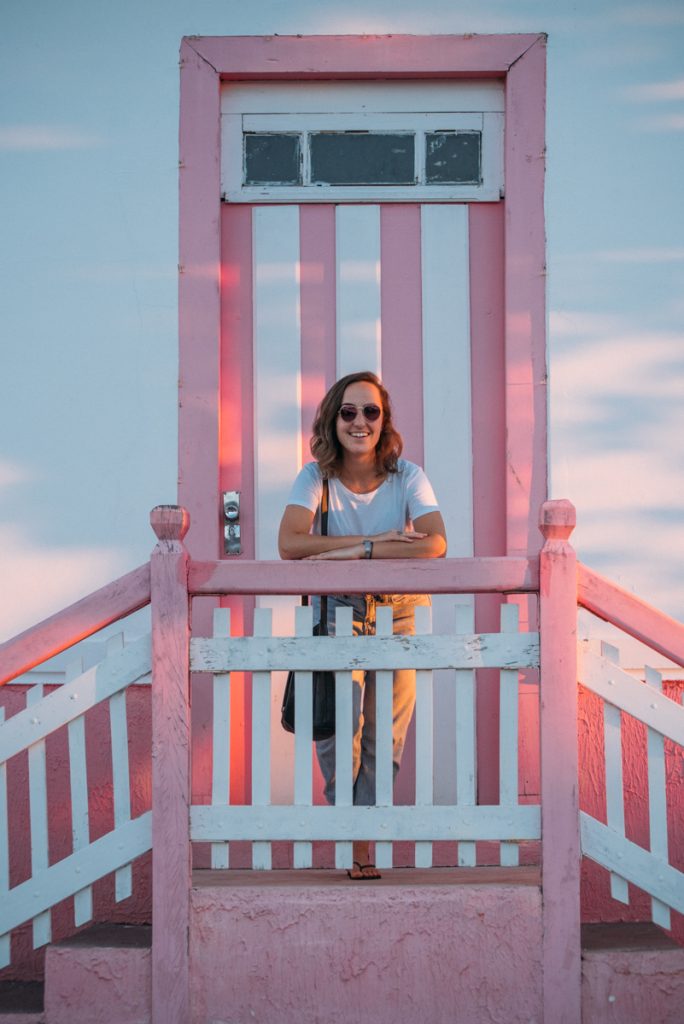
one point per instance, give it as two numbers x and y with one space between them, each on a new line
324 533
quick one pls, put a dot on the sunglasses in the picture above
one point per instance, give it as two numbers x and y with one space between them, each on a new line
371 413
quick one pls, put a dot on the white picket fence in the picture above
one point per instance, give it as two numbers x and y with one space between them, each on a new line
424 822
606 843
73 875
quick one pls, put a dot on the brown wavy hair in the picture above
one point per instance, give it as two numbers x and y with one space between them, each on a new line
325 446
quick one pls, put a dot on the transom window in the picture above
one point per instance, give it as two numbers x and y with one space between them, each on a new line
362 141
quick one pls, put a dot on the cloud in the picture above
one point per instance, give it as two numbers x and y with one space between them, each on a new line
644 255
649 15
39 581
37 137
662 123
11 474
650 91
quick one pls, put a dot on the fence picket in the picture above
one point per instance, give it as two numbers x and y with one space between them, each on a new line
118 725
302 852
78 781
508 735
4 852
220 762
424 736
657 801
384 771
42 926
344 783
615 804
261 740
466 745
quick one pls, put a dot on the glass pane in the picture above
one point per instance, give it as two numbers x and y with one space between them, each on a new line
362 158
272 159
453 158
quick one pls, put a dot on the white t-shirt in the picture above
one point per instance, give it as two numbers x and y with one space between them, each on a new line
397 502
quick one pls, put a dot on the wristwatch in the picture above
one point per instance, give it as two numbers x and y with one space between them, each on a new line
368 549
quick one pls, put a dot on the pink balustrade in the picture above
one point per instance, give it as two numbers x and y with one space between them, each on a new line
172 581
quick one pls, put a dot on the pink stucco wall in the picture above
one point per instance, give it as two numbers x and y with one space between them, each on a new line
341 952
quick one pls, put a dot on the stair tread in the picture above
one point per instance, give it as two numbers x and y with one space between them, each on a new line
527 875
625 935
138 936
21 996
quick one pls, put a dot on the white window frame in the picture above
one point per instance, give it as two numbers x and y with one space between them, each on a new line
363 106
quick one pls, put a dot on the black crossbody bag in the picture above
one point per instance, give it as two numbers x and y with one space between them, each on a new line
323 682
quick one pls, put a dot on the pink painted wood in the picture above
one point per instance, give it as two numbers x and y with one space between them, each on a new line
199 300
401 301
638 618
431 576
171 858
559 767
525 289
395 56
77 622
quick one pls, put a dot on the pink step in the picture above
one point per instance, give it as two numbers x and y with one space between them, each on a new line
631 972
100 976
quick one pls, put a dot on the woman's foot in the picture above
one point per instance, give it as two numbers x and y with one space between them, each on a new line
363 870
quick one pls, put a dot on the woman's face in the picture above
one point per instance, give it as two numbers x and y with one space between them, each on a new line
360 436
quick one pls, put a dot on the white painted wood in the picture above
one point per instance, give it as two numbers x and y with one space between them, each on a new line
623 691
466 744
357 234
78 783
657 801
123 879
343 824
384 771
261 741
615 806
344 782
302 852
444 651
73 699
424 737
42 927
447 414
616 853
5 952
50 885
508 735
416 95
277 383
220 762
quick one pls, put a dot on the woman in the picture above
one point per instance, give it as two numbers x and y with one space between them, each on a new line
379 506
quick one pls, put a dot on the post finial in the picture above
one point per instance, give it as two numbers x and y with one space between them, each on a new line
170 522
557 519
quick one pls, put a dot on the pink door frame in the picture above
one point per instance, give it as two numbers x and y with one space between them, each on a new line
207 61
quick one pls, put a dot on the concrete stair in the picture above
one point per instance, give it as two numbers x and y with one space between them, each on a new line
459 946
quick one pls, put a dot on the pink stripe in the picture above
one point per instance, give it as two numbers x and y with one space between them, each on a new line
525 301
401 306
486 231
317 248
199 311
396 56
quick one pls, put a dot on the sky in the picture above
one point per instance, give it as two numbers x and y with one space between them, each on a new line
88 263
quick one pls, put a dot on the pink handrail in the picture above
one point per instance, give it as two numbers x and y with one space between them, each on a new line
430 576
631 614
80 620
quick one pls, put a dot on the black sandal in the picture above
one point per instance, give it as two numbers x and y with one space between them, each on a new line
362 876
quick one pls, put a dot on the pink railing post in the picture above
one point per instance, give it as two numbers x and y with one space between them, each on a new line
561 949
171 851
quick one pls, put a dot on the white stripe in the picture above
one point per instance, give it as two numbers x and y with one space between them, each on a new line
357 234
302 852
220 760
261 741
277 420
343 738
384 772
447 421
424 737
615 808
466 743
657 801
42 927
121 786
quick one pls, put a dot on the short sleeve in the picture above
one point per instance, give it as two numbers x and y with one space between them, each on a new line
307 488
420 496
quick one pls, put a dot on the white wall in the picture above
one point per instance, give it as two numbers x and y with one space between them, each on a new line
89 214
